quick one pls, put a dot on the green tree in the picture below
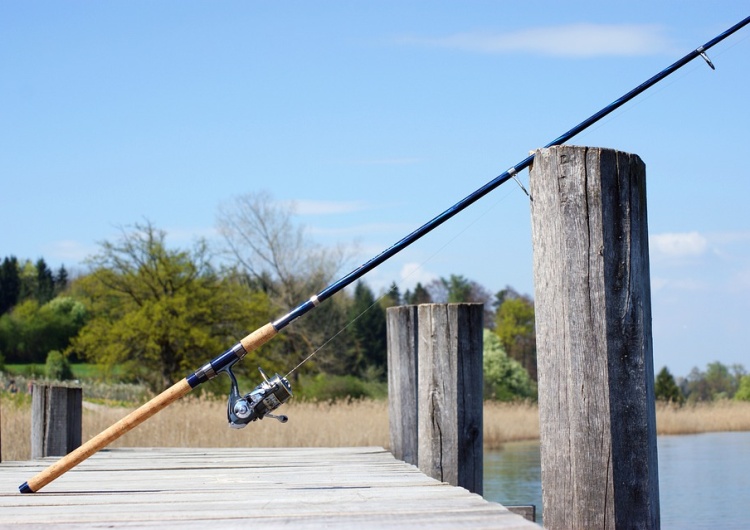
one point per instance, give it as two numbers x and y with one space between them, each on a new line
10 284
28 276
159 313
743 392
45 282
392 297
717 382
504 378
515 326
277 255
61 280
420 295
368 331
666 389
457 289
29 331
57 366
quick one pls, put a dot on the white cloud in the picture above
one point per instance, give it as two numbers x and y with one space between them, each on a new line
414 273
678 245
573 40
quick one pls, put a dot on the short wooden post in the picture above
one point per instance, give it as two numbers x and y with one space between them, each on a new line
56 420
594 345
450 384
402 381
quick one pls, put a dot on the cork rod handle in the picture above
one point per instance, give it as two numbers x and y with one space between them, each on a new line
106 437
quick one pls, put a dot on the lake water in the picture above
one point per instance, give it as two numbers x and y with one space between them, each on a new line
704 479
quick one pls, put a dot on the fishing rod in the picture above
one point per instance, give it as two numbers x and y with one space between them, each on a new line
269 395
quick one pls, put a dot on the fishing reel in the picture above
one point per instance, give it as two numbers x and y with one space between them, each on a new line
256 405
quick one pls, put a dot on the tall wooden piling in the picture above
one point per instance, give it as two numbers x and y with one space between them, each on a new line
435 390
402 381
450 393
594 345
56 420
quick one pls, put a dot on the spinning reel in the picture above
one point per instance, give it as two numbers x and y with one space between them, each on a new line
256 405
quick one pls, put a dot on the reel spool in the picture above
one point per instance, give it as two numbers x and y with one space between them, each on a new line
256 405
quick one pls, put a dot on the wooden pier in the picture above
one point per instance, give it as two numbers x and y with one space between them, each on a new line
360 487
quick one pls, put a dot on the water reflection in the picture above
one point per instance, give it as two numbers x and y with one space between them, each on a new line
513 475
704 479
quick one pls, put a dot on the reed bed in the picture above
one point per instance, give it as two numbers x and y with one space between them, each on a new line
509 422
703 417
201 422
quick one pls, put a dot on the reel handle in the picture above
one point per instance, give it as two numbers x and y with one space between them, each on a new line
256 405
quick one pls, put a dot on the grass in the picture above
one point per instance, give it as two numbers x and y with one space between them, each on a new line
82 371
201 422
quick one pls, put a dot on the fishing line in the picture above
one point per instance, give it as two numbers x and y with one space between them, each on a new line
265 398
403 280
678 78
473 197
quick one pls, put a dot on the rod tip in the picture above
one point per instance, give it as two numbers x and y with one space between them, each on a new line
24 488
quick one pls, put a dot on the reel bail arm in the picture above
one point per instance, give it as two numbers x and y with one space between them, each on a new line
260 402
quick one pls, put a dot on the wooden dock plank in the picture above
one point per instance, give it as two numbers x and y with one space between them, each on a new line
362 487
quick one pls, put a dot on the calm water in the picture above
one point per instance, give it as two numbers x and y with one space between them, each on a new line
704 479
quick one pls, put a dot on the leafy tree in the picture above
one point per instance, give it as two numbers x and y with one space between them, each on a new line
10 284
275 253
368 330
29 331
743 392
57 366
420 295
666 389
717 382
457 289
515 326
160 313
504 378
28 276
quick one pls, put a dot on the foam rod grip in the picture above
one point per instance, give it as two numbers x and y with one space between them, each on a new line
106 437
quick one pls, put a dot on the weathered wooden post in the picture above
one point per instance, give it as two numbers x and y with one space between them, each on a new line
435 386
56 420
402 381
594 346
450 385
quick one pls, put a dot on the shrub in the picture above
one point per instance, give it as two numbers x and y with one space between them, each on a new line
324 387
504 378
743 392
57 366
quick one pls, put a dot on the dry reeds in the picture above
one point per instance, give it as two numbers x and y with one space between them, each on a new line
509 422
201 422
15 428
703 417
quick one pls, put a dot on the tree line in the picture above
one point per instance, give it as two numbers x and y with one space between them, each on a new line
717 382
155 313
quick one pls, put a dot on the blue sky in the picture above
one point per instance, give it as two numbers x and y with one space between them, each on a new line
374 117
